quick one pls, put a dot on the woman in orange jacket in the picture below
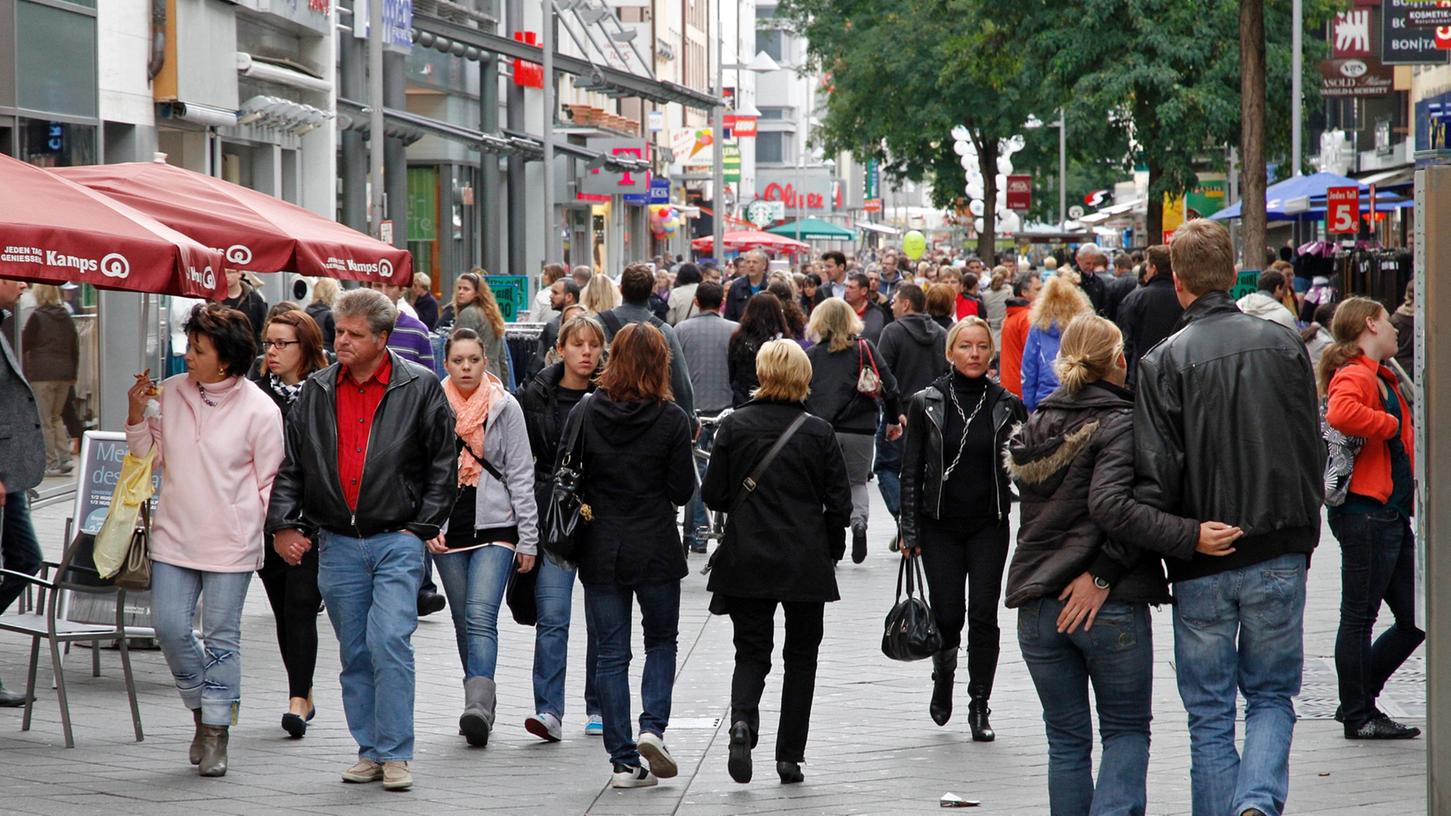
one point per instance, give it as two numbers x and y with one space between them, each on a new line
1377 546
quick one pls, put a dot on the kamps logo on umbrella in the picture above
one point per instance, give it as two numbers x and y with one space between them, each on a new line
383 268
238 254
115 265
111 265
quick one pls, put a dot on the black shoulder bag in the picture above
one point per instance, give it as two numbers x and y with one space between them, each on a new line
911 632
565 511
752 481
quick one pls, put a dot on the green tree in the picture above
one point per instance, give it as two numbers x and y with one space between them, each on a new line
900 78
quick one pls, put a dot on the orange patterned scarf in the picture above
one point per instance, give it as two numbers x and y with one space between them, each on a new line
472 412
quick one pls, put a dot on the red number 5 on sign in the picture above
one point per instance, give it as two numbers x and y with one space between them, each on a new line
1342 209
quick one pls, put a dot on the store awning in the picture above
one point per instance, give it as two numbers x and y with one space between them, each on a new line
881 228
1117 209
814 229
1389 179
471 43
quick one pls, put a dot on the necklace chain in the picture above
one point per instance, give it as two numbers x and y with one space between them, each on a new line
966 423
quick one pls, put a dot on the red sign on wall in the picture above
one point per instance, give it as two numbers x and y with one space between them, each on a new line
1342 210
742 127
1020 192
528 74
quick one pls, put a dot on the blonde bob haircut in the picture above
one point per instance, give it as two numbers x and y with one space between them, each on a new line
784 372
967 323
834 323
1090 349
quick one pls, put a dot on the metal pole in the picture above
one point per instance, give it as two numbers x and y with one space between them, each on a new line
1062 171
551 236
375 118
1297 25
516 210
487 198
717 168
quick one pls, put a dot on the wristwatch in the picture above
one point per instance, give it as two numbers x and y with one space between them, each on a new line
1100 582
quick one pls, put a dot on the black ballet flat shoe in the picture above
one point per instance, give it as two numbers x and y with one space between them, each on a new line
296 725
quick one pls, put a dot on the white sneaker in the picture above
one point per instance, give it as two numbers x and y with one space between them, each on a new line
544 726
633 776
653 749
595 727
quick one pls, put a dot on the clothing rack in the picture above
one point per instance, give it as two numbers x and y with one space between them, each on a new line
1379 274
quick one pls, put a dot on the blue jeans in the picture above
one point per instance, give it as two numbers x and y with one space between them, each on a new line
695 512
1117 657
888 468
474 582
607 610
1241 628
208 673
370 586
19 548
554 596
1377 563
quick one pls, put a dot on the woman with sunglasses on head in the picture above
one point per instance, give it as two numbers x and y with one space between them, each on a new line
292 349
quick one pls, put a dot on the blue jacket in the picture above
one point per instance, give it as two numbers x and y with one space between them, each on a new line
1039 378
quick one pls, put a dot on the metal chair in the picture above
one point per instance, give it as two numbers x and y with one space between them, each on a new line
51 625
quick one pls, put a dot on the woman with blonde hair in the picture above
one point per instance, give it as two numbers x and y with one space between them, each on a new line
955 505
1372 524
849 383
995 297
1081 592
600 295
1060 301
781 542
324 292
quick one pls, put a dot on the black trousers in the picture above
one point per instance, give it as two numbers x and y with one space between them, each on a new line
964 568
754 620
293 594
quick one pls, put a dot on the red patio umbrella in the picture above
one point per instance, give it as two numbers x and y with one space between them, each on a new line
256 231
53 230
746 240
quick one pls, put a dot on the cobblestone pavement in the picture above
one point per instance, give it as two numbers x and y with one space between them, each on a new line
873 749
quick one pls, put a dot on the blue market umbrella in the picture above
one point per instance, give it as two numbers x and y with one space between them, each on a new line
1313 187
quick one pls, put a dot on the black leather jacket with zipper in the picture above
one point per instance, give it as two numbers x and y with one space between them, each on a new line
410 467
922 453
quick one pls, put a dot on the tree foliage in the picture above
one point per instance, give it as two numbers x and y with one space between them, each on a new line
1152 84
903 73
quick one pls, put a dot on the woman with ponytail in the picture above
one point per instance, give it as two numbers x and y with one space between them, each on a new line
1377 546
1082 594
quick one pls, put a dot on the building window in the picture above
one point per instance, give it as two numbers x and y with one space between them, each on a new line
773 147
774 113
773 42
56 52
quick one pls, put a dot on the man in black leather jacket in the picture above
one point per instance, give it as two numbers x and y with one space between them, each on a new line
1226 428
371 473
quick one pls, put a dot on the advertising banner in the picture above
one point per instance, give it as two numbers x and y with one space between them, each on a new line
1342 210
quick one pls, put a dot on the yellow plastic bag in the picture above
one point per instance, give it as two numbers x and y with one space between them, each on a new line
132 489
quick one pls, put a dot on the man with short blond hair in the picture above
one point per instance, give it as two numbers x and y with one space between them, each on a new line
1204 450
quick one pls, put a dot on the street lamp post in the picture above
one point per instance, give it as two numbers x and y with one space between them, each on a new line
717 167
1062 171
551 229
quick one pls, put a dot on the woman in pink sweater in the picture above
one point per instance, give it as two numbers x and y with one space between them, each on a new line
218 443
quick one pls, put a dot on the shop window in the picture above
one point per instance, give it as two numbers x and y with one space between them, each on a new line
773 147
56 53
57 144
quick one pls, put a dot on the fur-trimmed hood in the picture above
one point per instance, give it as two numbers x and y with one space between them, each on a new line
1035 462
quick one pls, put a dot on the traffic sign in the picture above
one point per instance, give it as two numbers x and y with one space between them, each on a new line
1342 209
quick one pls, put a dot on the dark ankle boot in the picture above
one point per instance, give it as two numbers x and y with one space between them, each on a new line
977 713
790 772
195 754
214 751
944 671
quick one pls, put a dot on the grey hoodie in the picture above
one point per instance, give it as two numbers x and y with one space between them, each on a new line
1261 305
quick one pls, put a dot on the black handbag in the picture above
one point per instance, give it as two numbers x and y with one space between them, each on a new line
519 595
565 512
911 631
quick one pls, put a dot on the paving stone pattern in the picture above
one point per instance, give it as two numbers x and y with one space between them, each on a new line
873 748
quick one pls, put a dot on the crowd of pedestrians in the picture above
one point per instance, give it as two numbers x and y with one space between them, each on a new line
1120 403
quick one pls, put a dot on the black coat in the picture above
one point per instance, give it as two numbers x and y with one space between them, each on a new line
741 367
1073 463
427 307
538 399
924 461
638 466
914 347
322 315
782 542
251 304
1227 428
51 344
1149 314
737 293
834 396
410 469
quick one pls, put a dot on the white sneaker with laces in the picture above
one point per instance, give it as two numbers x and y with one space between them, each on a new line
652 749
544 726
633 776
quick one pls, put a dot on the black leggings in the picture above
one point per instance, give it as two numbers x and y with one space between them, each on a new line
754 624
964 567
293 594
